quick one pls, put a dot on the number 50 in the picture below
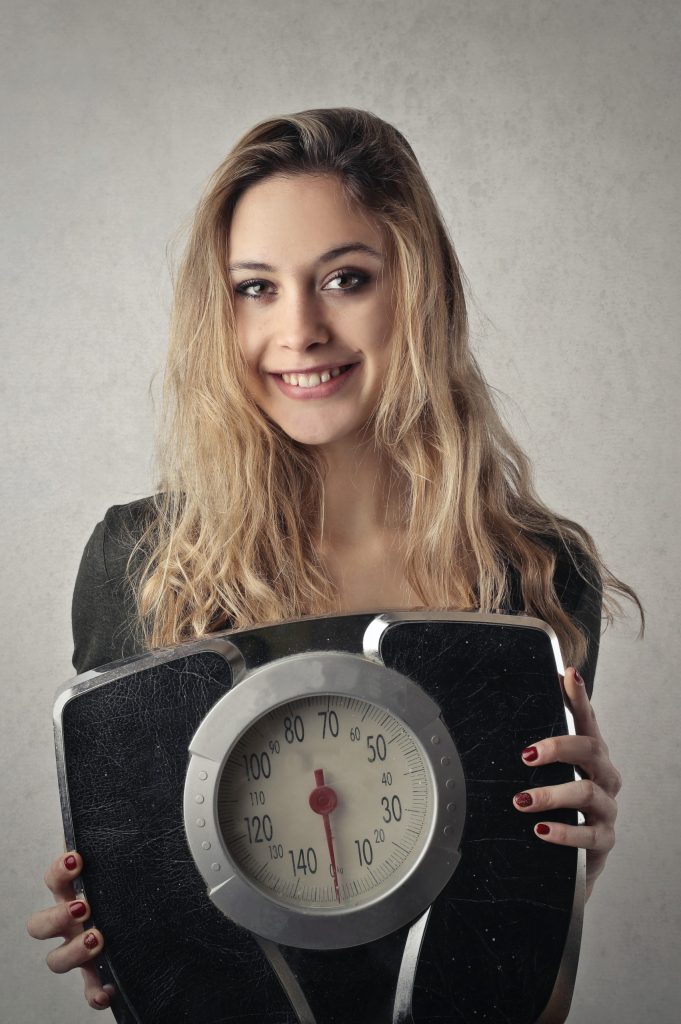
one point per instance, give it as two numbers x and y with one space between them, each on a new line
377 750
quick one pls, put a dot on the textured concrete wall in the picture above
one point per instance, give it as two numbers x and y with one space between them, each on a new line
550 133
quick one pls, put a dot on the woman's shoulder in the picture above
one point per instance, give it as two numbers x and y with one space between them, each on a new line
131 518
575 576
103 612
121 528
579 589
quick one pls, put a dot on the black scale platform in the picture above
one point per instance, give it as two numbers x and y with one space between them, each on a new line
497 933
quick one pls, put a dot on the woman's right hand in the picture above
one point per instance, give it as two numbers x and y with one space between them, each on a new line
65 919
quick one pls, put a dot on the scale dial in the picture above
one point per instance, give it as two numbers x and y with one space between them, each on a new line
326 802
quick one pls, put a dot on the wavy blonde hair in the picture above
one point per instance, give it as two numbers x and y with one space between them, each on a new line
230 541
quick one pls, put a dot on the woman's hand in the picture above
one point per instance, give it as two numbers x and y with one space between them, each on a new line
594 795
65 919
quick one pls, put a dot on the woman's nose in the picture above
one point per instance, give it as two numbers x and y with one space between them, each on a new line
300 323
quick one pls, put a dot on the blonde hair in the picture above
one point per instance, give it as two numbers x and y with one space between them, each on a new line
230 542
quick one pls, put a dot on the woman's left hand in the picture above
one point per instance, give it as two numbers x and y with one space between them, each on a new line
594 795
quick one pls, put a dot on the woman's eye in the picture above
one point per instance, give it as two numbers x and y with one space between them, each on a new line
342 281
242 289
341 275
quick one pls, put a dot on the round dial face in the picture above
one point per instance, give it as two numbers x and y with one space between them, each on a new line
326 802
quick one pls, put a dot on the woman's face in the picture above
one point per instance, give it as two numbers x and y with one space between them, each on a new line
312 295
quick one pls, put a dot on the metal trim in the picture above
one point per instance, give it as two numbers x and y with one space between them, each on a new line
376 629
560 1000
219 643
350 675
410 960
287 980
558 1006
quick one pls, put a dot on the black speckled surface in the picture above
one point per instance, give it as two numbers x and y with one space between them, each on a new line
496 934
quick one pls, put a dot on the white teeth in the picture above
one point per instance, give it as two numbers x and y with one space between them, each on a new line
310 380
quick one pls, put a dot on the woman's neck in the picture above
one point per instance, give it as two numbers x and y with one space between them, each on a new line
361 496
361 536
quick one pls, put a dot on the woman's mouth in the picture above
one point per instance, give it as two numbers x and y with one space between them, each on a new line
312 380
316 383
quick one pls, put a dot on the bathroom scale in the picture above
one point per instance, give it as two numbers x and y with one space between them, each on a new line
312 823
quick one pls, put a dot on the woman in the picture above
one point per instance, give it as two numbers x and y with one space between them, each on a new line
330 446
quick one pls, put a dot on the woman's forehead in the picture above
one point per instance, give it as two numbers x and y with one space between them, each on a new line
288 216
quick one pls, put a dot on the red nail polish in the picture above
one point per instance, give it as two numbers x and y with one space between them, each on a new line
77 909
90 940
578 679
523 799
542 830
530 754
70 862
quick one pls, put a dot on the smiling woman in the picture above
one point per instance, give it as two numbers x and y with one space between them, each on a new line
316 333
329 445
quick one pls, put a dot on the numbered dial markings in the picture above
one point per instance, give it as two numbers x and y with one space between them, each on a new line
326 802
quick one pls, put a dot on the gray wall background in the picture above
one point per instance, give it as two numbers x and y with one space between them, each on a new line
550 133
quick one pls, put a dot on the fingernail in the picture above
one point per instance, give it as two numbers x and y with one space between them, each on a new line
90 941
523 799
70 862
542 830
77 909
530 754
102 1000
578 678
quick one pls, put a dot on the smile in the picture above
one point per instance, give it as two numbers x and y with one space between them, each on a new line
316 383
311 380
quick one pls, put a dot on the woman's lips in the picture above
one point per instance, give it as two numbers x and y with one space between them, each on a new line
322 390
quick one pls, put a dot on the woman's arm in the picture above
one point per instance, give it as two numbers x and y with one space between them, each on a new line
103 609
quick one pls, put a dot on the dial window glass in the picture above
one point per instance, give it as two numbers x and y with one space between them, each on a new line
326 802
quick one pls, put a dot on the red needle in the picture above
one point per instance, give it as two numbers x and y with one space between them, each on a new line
323 800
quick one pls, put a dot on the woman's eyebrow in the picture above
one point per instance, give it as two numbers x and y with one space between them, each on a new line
327 257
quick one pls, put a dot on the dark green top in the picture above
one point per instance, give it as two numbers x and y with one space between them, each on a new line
103 612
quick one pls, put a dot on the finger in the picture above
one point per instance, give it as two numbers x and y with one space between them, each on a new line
97 995
61 873
599 838
582 750
61 919
76 951
585 753
580 705
596 805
